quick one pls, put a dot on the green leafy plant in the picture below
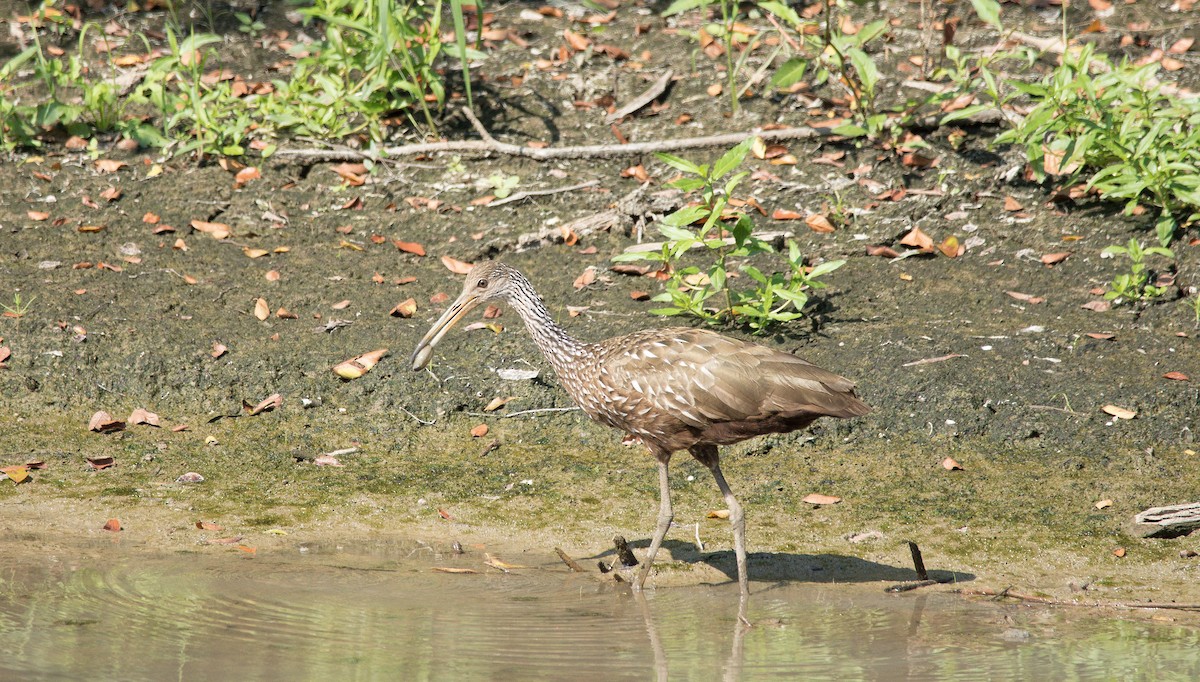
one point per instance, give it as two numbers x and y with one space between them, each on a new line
1135 285
502 184
707 292
19 308
1119 129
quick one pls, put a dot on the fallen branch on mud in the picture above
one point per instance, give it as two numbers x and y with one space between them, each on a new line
597 151
1009 593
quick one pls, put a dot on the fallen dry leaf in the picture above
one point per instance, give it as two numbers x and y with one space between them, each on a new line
217 231
1096 306
1119 412
261 310
410 247
359 365
818 223
1176 376
718 514
950 464
496 403
480 431
1054 258
109 166
112 525
918 239
586 277
271 402
341 305
101 422
1119 552
99 463
882 251
456 266
1012 205
142 416
577 42
818 498
1101 337
950 247
17 473
786 214
1103 504
255 253
1028 298
272 275
208 525
218 349
405 308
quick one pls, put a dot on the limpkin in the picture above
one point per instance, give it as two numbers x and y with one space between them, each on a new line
673 388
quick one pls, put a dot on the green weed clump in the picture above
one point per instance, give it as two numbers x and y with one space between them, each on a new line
707 292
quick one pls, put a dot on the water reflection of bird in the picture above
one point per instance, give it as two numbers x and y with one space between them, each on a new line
675 388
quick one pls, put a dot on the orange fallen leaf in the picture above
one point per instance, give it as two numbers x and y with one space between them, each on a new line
882 251
359 365
917 238
17 474
218 349
99 463
786 214
950 464
1054 258
950 247
1176 376
272 275
496 403
1028 298
456 266
37 215
261 310
818 223
480 431
217 231
1119 552
246 175
255 253
110 194
1012 205
271 402
410 247
405 308
1103 504
577 42
101 422
1100 336
341 305
818 498
1119 412
142 416
208 525
112 525
109 166
585 278
717 514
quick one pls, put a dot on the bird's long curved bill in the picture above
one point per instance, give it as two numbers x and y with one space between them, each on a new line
457 310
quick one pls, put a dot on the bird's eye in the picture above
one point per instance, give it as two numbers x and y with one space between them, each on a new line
482 284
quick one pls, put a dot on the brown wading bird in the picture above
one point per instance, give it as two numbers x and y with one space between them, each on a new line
675 388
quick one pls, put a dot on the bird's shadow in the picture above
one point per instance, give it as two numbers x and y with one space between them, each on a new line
789 567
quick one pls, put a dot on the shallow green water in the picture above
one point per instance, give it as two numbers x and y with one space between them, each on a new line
367 612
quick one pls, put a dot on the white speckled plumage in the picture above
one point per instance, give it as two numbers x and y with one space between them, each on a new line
674 388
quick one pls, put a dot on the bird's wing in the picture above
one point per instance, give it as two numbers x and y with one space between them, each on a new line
702 377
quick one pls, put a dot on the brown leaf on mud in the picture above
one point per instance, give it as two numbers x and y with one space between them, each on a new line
217 231
638 295
16 473
88 229
587 277
101 422
491 312
37 216
631 269
577 42
1012 205
245 175
109 166
1176 376
1055 258
271 402
1028 298
637 172
444 514
916 160
150 218
110 194
352 173
456 266
112 525
359 365
786 214
480 431
99 463
819 223
1181 46
918 239
410 247
1119 412
455 570
496 403
143 416
950 464
179 427
272 275
405 308
208 525
577 310
255 253
1096 306
341 305
717 514
1103 504
1101 336
261 310
218 349
882 251
439 297
950 247
818 499
5 354
1119 552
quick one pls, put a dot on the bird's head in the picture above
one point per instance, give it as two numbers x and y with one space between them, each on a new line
486 281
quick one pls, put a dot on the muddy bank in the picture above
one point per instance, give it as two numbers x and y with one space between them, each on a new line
1013 391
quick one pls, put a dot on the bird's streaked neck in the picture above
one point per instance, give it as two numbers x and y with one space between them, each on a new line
559 347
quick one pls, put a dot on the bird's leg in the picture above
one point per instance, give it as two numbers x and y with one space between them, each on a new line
708 456
665 516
